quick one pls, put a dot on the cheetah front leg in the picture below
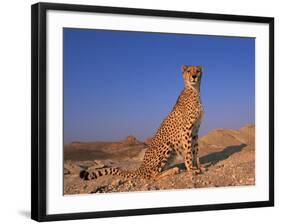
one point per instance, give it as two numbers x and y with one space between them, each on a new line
187 149
190 148
195 158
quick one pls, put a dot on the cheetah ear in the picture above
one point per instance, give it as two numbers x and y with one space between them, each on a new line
183 68
200 67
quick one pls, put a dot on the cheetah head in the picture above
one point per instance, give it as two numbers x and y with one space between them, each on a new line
192 75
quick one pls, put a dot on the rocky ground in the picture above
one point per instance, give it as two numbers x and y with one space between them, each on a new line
227 155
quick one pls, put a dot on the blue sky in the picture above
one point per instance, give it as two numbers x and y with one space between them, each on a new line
119 83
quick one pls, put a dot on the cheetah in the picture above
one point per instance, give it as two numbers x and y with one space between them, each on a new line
178 134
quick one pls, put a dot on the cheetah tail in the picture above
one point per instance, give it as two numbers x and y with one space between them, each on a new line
90 175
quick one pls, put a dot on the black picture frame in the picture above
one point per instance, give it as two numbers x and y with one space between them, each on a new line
39 122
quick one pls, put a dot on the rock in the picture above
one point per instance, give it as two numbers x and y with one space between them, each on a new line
70 168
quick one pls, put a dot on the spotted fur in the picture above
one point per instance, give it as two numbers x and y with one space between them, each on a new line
178 133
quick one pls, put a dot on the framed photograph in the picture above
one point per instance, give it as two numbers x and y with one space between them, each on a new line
140 111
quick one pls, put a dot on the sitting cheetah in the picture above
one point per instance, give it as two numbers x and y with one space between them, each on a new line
178 133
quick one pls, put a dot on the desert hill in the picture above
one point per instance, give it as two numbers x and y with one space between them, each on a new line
226 137
228 156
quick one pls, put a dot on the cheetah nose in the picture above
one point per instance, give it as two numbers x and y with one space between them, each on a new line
194 76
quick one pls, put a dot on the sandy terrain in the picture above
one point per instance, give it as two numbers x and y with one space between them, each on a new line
227 155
